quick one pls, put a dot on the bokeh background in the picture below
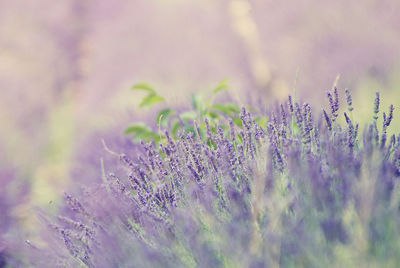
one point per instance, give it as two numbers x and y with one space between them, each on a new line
66 68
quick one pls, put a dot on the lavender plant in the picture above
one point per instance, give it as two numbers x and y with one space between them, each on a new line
300 191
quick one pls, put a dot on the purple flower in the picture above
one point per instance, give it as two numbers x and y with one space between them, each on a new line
182 203
349 100
328 120
291 104
333 103
376 106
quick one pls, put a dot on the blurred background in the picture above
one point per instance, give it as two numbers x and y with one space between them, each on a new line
66 68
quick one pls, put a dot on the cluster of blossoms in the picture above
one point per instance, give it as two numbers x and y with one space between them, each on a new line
298 190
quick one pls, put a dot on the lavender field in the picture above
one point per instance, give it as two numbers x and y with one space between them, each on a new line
224 133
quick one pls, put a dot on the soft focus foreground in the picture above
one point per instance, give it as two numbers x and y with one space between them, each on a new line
64 87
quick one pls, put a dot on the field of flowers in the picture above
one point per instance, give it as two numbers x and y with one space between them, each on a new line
234 188
120 148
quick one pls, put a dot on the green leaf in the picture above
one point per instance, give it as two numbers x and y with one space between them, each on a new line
152 96
174 127
233 108
239 137
143 86
189 115
137 128
194 99
211 144
190 128
237 121
261 121
162 116
295 127
221 86
212 115
150 99
147 136
220 107
197 103
202 129
227 108
142 131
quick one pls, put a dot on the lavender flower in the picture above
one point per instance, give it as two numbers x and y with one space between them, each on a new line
336 102
264 199
334 105
376 106
349 100
388 120
328 120
291 104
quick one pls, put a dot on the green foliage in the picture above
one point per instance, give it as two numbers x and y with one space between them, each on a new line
221 86
141 130
261 121
189 115
202 106
162 116
196 102
152 96
229 109
237 121
174 127
143 86
150 99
